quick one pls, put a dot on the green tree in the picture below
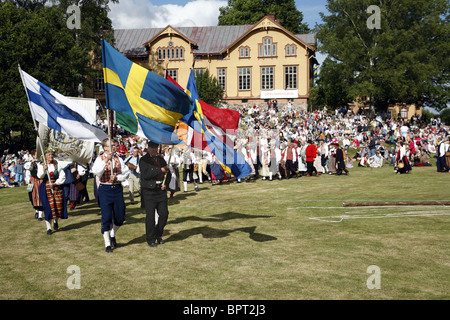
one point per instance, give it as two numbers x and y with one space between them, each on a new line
36 36
405 60
239 12
209 89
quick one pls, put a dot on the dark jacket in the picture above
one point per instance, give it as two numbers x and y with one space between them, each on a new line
151 172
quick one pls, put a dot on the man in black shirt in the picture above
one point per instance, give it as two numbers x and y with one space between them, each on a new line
153 194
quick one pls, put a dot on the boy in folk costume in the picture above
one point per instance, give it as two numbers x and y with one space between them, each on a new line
51 191
110 191
188 169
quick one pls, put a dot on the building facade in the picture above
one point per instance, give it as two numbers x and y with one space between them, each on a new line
252 63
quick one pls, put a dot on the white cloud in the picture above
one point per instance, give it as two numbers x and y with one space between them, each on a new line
128 14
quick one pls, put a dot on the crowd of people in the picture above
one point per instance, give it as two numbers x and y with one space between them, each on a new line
276 142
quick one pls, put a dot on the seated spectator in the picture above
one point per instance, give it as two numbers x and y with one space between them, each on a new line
375 161
363 161
6 175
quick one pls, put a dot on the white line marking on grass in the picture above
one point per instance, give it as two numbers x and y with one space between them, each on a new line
349 215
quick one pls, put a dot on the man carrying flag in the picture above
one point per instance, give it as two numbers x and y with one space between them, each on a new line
154 105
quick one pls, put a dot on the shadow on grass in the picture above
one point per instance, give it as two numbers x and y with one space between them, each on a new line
214 233
208 232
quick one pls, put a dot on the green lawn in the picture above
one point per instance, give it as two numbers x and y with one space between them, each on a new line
277 240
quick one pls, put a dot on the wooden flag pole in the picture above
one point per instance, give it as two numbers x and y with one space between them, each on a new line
110 138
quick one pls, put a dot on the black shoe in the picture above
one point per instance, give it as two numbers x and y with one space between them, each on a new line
160 241
39 219
55 226
36 215
49 232
113 242
196 188
108 249
153 245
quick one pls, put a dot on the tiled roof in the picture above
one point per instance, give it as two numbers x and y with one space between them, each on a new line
209 39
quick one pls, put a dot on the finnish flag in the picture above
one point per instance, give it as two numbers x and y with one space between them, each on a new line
59 112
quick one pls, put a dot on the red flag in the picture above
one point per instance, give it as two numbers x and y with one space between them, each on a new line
223 123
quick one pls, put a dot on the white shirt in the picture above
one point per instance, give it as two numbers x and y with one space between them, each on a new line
50 168
99 168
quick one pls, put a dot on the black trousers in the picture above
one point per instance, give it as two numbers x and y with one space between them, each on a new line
154 200
290 168
310 167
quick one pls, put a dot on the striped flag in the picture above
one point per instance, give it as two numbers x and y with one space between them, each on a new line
60 113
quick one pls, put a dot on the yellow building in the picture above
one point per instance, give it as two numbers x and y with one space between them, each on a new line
401 111
253 63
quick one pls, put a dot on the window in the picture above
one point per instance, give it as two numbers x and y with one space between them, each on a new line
173 74
244 78
290 77
99 84
291 50
267 78
198 72
221 77
404 113
170 53
267 48
244 52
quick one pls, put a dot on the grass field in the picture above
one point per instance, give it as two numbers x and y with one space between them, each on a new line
278 240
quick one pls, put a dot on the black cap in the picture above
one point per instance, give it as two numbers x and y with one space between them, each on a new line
152 145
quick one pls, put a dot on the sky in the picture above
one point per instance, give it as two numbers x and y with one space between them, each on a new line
129 14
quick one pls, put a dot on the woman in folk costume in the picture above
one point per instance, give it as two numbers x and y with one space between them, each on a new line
51 191
248 159
282 166
275 157
302 158
331 159
77 189
401 161
265 161
33 188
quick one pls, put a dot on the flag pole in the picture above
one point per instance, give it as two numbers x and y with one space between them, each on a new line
171 151
108 110
34 122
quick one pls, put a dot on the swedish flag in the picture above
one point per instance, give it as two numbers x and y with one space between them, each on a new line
155 103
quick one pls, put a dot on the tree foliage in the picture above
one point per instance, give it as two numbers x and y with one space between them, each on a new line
405 60
209 89
35 35
239 12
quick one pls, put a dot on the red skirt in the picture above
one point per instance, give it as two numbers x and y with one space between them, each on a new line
55 199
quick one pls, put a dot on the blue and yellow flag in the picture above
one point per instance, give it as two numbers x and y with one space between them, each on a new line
230 160
155 103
